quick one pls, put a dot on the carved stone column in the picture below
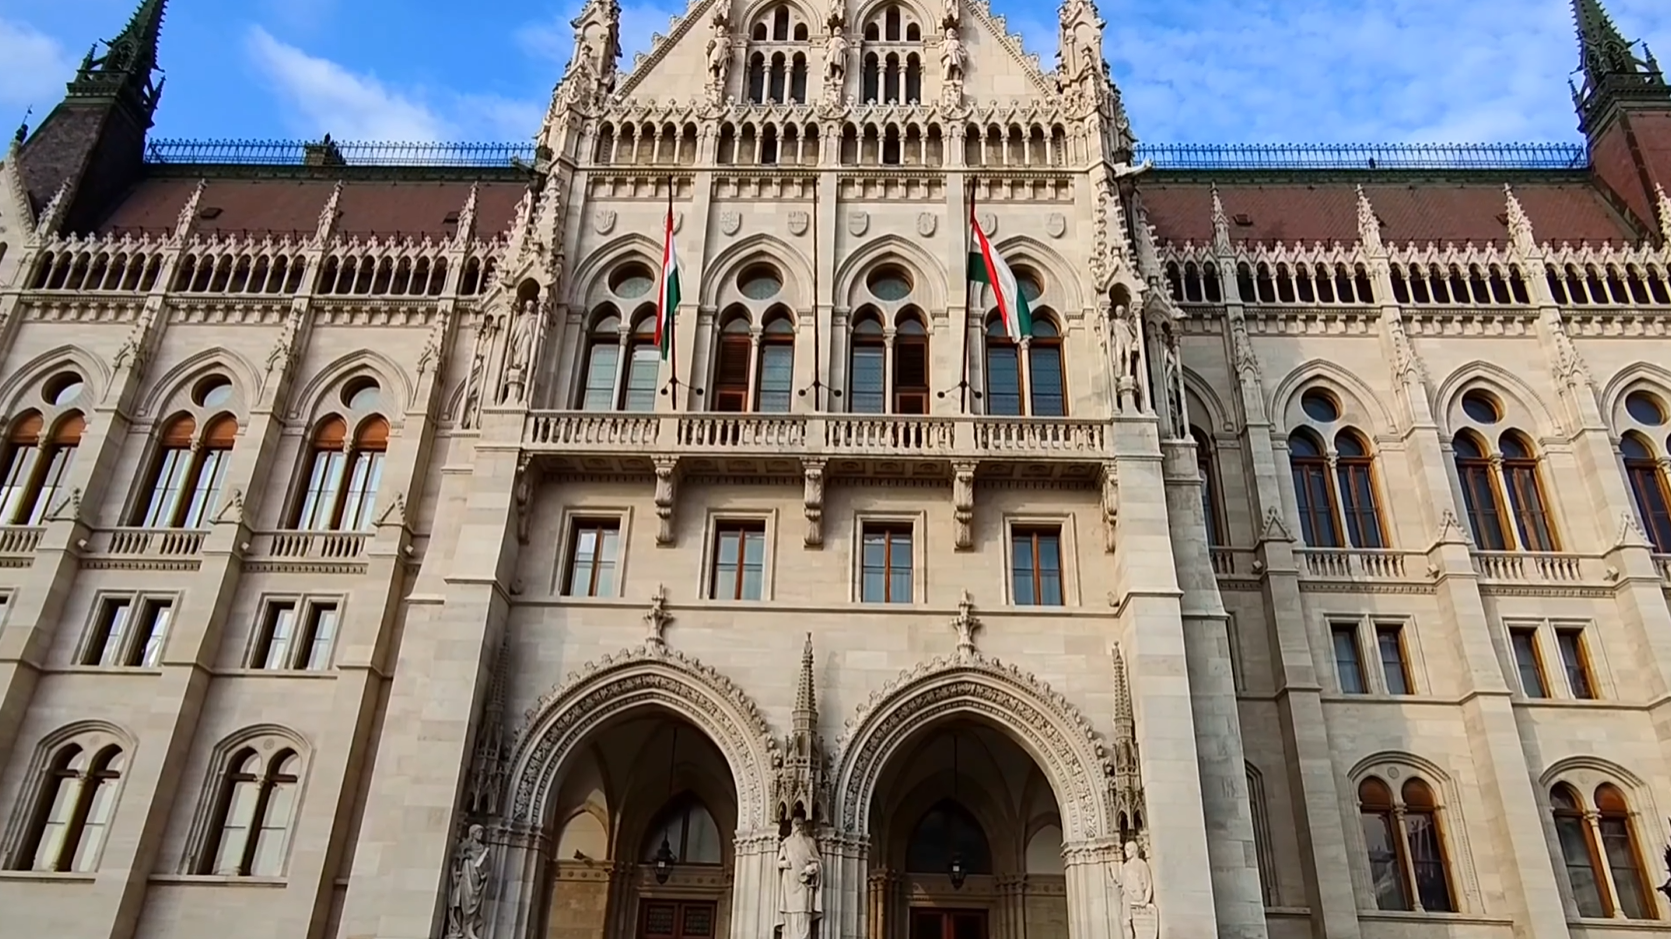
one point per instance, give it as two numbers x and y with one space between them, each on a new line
1096 908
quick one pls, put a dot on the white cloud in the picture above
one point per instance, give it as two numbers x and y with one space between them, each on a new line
35 70
319 97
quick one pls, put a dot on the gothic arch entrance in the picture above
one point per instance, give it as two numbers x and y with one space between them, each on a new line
966 840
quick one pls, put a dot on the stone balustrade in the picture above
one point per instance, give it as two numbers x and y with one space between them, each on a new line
818 435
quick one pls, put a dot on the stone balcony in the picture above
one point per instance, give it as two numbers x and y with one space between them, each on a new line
849 444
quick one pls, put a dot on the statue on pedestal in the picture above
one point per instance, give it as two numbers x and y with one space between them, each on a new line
800 874
468 888
1137 882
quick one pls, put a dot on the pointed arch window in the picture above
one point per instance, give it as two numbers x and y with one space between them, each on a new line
1520 478
1406 846
1045 378
777 366
1624 859
1313 491
1206 464
1579 853
250 830
1354 469
72 811
341 493
186 477
1647 485
1480 498
731 365
867 378
910 366
1003 371
688 829
603 362
37 467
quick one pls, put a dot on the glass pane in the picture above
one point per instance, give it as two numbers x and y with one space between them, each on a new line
1524 642
642 372
1575 851
211 469
1003 380
1385 874
1621 859
867 380
601 365
606 563
324 633
151 652
1346 660
12 510
777 371
702 845
116 631
1392 660
281 626
270 837
57 823
1529 514
1021 564
240 811
98 822
1572 659
57 471
1046 380
165 491
1427 857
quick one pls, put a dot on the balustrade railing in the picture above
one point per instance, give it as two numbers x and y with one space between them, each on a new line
312 545
815 434
20 539
1662 562
1534 566
153 542
1353 563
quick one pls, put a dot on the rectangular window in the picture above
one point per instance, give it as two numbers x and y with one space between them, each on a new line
643 371
1389 642
317 638
885 564
278 629
910 375
777 376
731 373
320 501
1576 664
361 503
149 634
211 475
1526 661
110 630
592 550
1036 566
1003 380
57 473
601 365
20 464
739 563
867 382
165 489
1347 661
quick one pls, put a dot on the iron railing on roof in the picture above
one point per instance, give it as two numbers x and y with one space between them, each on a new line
1439 156
330 152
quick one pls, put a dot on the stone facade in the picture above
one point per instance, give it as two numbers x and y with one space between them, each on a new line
369 572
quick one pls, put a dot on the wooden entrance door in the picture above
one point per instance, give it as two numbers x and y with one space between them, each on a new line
948 924
676 919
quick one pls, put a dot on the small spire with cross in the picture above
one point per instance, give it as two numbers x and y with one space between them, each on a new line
657 620
966 624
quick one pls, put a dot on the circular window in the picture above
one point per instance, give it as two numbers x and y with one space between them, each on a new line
631 281
1029 284
212 392
1644 408
1481 407
1320 406
361 394
759 282
889 283
64 388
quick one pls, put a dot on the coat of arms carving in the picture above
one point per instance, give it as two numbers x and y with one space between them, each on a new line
858 223
1056 225
926 223
989 223
603 221
730 222
678 221
798 223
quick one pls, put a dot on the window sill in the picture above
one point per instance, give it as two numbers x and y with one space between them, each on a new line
276 673
217 880
1570 703
108 670
1634 925
59 877
1401 916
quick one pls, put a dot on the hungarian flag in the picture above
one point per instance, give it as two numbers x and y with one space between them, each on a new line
986 266
668 299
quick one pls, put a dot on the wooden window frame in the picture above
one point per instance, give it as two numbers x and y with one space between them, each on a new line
1625 819
267 777
1394 814
770 341
1380 630
1579 663
1034 531
1035 343
743 527
1348 469
578 526
1538 665
874 343
134 627
999 340
732 348
1212 496
337 465
1479 469
1303 468
1597 866
305 613
889 529
1522 479
86 767
917 396
1349 630
1645 479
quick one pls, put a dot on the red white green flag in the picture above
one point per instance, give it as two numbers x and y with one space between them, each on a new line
668 299
986 266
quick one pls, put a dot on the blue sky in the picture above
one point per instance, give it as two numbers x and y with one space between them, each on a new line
1207 71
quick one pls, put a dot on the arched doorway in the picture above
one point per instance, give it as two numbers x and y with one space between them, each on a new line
645 819
966 840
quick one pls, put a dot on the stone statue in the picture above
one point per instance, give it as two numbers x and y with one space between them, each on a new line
1137 884
835 60
800 872
1172 380
521 349
952 57
468 890
719 55
1127 351
952 14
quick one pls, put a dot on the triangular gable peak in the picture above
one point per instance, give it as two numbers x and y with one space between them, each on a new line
721 52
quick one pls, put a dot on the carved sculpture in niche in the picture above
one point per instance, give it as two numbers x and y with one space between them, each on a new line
952 15
1110 506
522 494
664 500
963 504
800 873
814 501
656 622
798 223
471 413
1137 882
719 58
858 222
835 62
468 888
521 348
1128 352
953 58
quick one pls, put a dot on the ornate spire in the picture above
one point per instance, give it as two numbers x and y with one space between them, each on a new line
798 784
125 70
328 215
806 704
1369 226
1127 775
1520 227
467 217
1612 72
1662 204
1221 225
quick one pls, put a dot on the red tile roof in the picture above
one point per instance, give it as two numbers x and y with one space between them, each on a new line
415 208
1421 212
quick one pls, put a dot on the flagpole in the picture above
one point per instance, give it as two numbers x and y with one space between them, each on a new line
963 387
666 314
817 386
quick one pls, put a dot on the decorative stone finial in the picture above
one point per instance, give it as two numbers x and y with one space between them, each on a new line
1450 529
1520 227
1221 225
1369 227
328 215
1663 204
1631 534
188 212
657 619
1275 530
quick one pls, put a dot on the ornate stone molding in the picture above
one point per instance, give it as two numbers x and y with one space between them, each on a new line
1045 723
561 720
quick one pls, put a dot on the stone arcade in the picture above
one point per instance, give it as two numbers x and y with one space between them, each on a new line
368 573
